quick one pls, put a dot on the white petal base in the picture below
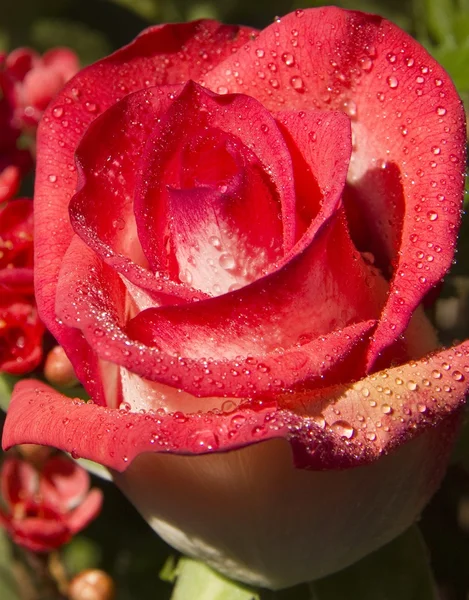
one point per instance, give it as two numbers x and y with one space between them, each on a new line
254 517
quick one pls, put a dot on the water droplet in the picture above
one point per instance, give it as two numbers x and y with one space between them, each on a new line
392 81
91 107
411 385
441 111
205 440
371 436
432 215
297 84
227 261
343 429
387 410
215 241
52 178
319 420
458 376
366 64
58 111
288 59
260 53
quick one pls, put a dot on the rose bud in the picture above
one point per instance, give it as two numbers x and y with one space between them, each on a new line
58 369
44 508
92 584
236 271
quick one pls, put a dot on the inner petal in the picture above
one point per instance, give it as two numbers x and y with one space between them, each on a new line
215 200
225 226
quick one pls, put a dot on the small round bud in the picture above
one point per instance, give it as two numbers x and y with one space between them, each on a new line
91 584
58 369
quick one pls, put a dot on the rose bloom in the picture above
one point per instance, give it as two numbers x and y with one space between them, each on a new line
45 507
235 264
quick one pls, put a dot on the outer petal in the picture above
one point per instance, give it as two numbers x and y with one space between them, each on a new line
64 484
20 334
87 510
333 428
18 481
405 113
40 534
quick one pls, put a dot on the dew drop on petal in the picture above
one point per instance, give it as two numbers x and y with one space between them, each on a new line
297 84
343 429
288 59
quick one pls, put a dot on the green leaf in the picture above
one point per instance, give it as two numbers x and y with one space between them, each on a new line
195 580
89 44
439 20
8 587
7 383
147 9
81 553
455 61
398 570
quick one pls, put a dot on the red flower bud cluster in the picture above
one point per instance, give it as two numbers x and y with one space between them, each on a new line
20 328
43 508
28 82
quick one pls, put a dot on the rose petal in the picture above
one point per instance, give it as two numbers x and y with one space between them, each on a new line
40 534
64 483
20 334
231 328
380 76
166 52
222 159
338 428
19 481
86 511
160 55
102 211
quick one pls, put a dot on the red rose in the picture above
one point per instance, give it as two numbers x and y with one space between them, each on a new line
241 257
21 330
46 507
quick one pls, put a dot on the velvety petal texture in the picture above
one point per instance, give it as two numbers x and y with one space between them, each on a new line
234 234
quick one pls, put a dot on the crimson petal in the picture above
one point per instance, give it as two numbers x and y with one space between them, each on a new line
349 426
405 112
167 54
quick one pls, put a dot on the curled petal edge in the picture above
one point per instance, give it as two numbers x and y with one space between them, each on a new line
339 427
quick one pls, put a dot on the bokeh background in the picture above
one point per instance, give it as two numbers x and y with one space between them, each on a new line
120 541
